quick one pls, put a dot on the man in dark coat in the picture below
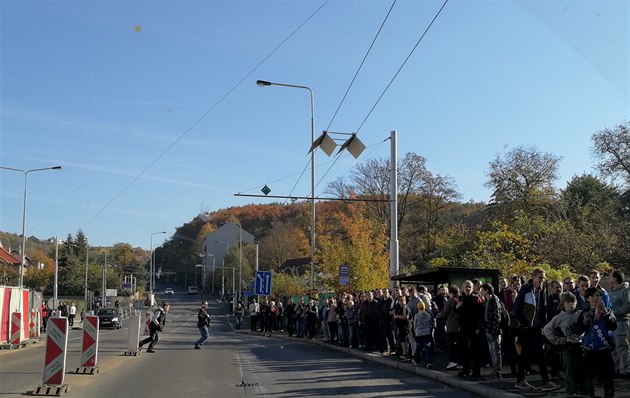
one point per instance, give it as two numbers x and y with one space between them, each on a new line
470 312
370 318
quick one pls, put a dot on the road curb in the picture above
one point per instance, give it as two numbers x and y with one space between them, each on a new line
436 375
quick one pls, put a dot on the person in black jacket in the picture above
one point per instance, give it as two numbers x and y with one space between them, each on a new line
470 311
158 320
530 307
553 353
386 336
369 315
203 321
290 311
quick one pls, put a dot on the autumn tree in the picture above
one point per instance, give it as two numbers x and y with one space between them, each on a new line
522 180
593 228
612 150
429 219
39 279
283 241
588 201
122 254
502 248
39 256
348 237
8 276
285 285
371 179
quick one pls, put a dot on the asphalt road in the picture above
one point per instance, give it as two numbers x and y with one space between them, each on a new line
229 365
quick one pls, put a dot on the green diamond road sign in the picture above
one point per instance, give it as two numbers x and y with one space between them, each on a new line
266 190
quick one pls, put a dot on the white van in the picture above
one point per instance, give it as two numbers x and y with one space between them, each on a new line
192 289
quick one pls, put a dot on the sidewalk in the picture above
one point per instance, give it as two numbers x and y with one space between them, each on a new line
479 386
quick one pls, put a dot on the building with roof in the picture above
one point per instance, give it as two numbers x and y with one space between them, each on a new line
8 262
218 243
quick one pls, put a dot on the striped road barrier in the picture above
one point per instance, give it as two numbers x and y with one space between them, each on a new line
89 347
55 360
16 330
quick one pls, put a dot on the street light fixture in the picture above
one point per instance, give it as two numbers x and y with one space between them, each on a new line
25 172
328 145
152 266
264 83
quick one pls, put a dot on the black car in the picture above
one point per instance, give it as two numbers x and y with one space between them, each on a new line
109 317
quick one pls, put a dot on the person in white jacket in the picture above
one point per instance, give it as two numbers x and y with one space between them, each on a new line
561 331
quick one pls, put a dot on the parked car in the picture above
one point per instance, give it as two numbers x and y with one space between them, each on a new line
192 289
169 291
109 317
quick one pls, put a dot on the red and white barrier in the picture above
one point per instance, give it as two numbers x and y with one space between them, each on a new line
55 360
13 300
34 325
16 329
89 347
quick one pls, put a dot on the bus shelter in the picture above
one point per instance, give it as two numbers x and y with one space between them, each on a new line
433 278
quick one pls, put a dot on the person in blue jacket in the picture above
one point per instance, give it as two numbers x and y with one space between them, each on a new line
597 323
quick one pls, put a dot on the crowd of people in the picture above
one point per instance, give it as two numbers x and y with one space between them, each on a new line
577 333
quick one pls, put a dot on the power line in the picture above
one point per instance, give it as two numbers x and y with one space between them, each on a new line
362 62
168 148
402 65
376 146
390 82
242 193
346 93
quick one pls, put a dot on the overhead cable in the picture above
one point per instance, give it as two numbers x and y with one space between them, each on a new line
234 87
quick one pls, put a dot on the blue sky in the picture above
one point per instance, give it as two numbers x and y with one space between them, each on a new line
116 92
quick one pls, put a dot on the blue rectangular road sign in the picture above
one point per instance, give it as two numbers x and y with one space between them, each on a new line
262 286
344 275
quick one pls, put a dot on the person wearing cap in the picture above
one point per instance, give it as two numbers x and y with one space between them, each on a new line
203 321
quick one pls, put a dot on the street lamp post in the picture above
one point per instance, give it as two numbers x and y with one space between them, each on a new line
56 283
198 266
152 266
240 256
87 252
214 268
25 172
204 263
104 284
264 83
223 280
